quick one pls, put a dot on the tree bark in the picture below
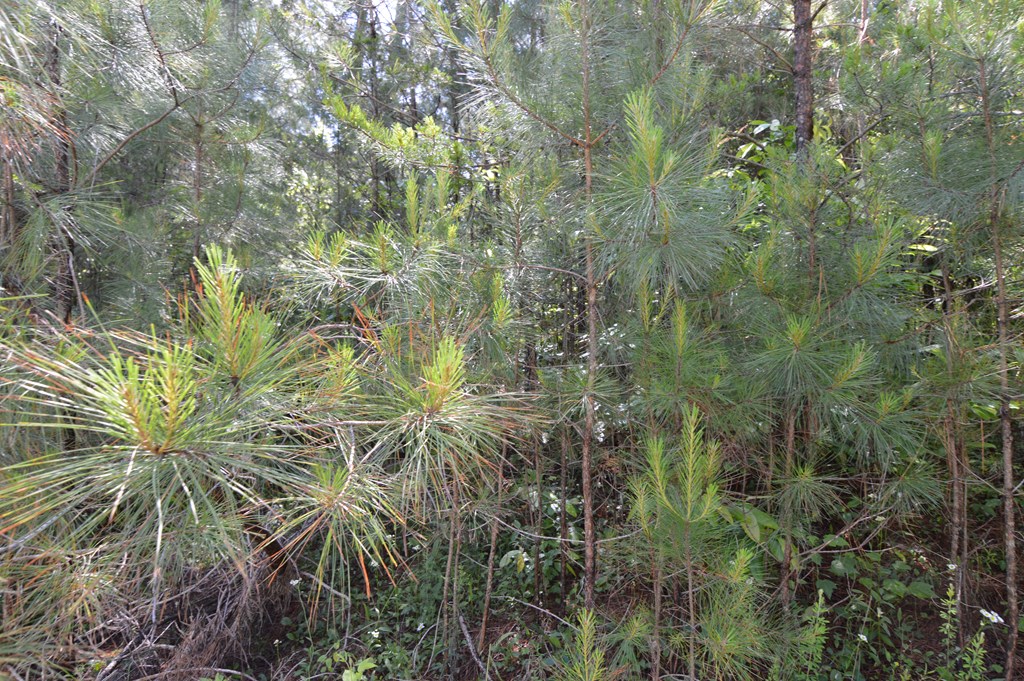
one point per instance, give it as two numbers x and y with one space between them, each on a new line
1006 424
656 585
197 196
589 530
482 636
995 219
453 77
803 72
951 437
63 240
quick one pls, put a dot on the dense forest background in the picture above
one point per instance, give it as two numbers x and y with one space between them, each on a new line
511 339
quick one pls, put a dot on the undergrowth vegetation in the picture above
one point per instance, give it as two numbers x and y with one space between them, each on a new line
510 340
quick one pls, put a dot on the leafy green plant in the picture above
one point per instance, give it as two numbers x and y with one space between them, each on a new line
173 453
584 658
679 505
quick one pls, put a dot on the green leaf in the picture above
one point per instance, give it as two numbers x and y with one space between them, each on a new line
508 557
751 527
764 519
921 590
843 567
895 587
835 541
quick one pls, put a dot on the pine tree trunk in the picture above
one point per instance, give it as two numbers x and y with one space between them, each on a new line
197 196
450 593
482 636
63 241
1006 424
803 71
951 439
453 76
692 613
787 514
538 474
589 531
656 586
563 529
995 220
9 218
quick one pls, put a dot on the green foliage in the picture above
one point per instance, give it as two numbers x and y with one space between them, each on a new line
585 659
679 506
180 447
335 338
668 220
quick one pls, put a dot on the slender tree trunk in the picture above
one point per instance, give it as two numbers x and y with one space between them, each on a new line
803 72
482 636
814 274
339 215
538 474
1006 424
951 437
786 514
563 529
367 34
656 629
9 218
63 242
453 76
1005 416
197 194
589 531
657 22
64 289
691 601
450 622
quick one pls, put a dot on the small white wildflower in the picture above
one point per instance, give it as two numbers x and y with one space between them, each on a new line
295 582
992 617
862 637
375 633
951 566
419 627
